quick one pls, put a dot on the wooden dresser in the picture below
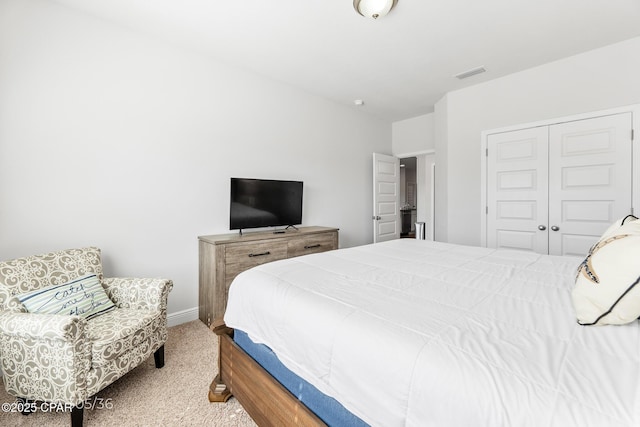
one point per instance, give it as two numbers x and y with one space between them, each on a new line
224 256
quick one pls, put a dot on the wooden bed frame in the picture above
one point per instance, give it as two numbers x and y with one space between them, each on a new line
261 395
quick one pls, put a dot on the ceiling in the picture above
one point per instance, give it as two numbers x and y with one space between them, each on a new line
401 64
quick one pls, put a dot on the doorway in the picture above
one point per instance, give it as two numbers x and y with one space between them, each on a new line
403 190
408 197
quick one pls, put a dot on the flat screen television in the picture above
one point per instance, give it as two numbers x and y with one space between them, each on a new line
264 203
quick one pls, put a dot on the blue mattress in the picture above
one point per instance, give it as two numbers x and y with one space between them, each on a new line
326 408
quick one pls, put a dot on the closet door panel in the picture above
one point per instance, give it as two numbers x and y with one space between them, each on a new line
589 180
517 190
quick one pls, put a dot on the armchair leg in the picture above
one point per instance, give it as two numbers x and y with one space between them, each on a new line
159 357
76 416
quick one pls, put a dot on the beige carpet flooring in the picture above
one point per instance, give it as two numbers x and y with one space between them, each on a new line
175 395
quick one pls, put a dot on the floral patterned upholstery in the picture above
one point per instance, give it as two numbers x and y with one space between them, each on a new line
109 342
66 359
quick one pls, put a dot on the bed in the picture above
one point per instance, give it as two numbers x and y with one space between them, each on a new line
418 333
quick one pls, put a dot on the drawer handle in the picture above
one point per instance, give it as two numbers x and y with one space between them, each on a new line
312 246
261 254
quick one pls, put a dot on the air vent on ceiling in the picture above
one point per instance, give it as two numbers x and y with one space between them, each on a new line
472 72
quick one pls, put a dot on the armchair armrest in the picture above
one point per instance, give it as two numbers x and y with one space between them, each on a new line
44 356
137 293
42 326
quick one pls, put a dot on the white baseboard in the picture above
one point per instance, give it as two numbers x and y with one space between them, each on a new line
183 316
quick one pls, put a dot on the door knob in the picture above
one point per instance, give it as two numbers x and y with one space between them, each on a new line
542 227
376 217
555 228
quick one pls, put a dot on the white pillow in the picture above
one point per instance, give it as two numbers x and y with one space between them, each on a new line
613 228
606 290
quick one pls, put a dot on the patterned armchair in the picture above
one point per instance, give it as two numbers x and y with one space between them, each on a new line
64 359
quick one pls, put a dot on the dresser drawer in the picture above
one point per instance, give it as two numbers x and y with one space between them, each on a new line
239 258
222 257
312 244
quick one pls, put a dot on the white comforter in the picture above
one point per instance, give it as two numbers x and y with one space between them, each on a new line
417 333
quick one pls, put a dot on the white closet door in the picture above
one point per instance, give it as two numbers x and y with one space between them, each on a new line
589 180
517 200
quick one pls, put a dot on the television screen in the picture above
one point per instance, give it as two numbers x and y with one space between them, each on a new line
264 203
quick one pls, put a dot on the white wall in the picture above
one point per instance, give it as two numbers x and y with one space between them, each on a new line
114 139
425 198
596 80
414 135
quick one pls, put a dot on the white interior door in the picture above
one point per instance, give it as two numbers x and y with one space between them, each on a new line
590 180
555 189
517 202
386 197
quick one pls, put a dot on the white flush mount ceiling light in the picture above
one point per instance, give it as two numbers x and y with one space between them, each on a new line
373 8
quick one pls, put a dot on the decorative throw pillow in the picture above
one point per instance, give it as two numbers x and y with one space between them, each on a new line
613 228
83 297
607 290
